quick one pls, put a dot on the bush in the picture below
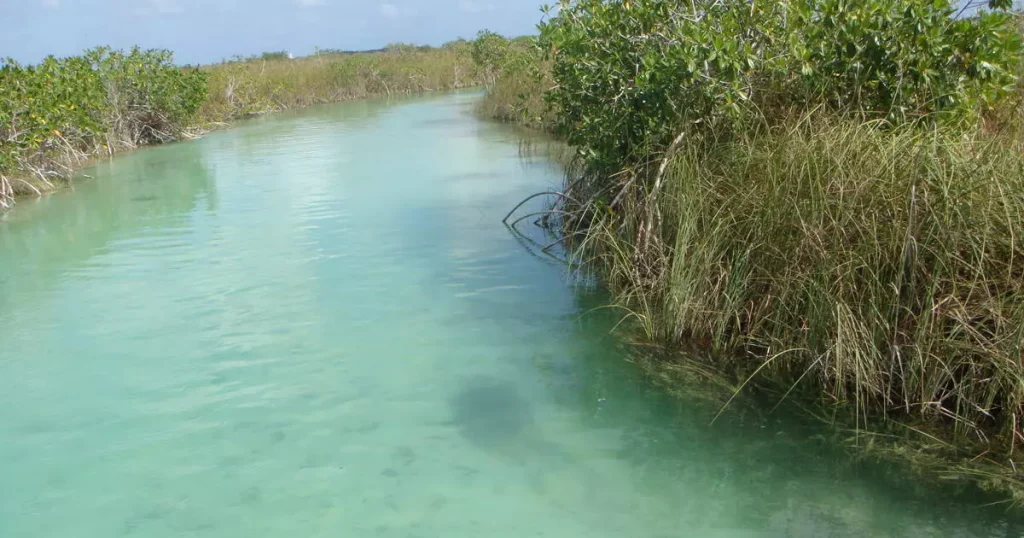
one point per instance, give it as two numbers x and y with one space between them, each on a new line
60 111
630 74
41 104
489 51
900 58
148 98
55 114
518 77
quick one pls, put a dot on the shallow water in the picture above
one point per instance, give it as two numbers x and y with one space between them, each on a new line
315 324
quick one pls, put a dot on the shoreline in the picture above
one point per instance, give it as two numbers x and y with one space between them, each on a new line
844 252
70 132
687 373
33 187
920 450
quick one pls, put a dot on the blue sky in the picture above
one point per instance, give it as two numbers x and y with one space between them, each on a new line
203 31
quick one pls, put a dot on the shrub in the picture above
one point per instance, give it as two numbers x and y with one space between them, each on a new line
900 58
148 98
518 76
489 51
64 109
630 74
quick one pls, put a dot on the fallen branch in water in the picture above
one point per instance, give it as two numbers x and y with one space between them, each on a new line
531 197
539 213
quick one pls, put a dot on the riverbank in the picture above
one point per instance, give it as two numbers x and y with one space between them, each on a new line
63 113
845 243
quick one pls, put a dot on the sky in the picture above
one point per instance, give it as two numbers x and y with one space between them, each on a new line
205 31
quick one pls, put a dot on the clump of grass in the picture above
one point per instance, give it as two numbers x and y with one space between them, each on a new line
880 271
256 86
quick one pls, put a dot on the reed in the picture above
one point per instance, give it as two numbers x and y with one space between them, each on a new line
257 86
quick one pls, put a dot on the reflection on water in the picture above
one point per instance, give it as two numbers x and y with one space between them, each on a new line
315 324
156 188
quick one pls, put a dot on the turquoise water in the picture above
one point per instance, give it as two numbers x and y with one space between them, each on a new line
315 324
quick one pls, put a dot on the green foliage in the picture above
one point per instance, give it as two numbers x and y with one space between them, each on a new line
55 114
631 74
489 51
400 48
518 81
275 55
66 108
148 98
40 104
457 44
900 58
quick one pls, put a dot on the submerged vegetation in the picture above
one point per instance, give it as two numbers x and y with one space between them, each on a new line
825 196
56 115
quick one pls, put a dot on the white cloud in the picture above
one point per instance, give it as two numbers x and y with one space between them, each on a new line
392 11
311 3
474 6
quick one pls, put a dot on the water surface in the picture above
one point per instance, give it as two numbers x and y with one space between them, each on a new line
315 324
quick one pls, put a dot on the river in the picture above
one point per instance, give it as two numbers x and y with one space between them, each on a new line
315 324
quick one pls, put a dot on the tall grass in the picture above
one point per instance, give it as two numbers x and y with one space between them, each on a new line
257 86
877 271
